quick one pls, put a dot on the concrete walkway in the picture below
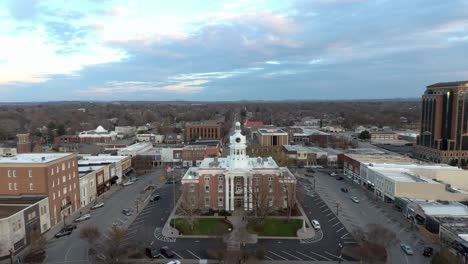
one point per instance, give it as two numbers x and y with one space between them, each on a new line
240 235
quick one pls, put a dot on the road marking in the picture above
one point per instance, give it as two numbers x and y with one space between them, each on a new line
192 254
305 255
349 242
344 235
177 254
291 255
277 255
337 223
339 229
329 214
268 257
332 255
331 219
145 213
323 206
66 254
320 256
326 209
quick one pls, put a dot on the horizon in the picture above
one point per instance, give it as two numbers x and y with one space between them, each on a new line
229 50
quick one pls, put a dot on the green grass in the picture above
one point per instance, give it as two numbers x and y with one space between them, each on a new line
202 226
276 227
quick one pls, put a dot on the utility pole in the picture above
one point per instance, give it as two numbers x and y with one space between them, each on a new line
337 207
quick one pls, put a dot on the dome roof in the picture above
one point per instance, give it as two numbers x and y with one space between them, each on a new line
100 129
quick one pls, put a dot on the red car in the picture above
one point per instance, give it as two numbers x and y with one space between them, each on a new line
167 252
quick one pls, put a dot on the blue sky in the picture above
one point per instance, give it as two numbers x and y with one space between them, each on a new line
229 50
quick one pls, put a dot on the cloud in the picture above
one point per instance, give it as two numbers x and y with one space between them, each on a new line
24 9
273 62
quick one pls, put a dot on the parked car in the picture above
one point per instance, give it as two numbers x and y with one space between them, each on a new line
35 257
310 170
315 224
83 218
407 249
355 199
167 252
173 262
127 212
63 232
155 198
152 252
345 190
428 251
69 227
128 183
133 179
98 205
339 178
332 174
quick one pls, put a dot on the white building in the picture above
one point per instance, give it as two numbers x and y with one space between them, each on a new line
135 149
153 138
97 135
125 130
88 189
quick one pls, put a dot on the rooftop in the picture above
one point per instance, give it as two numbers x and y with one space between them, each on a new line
365 151
12 205
83 170
308 131
277 131
203 123
458 225
102 159
435 208
446 84
36 158
137 147
402 175
9 210
254 123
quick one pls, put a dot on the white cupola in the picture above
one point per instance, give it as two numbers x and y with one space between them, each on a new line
238 149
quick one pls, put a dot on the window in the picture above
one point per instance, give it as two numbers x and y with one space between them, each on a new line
207 179
207 188
192 188
257 179
14 173
31 215
52 172
57 169
73 163
270 187
31 187
58 193
9 173
207 201
220 178
73 174
68 164
220 188
53 196
69 176
238 188
74 186
16 186
53 183
10 186
270 201
270 178
63 166
30 173
220 202
69 188
64 178
64 190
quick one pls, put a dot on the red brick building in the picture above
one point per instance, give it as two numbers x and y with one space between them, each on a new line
238 181
202 130
48 174
444 124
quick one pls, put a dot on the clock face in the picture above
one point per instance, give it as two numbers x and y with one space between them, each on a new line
238 140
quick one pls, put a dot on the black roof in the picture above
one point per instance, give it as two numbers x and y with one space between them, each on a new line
445 84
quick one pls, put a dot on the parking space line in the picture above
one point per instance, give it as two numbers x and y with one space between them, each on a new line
331 219
145 213
320 256
332 255
291 255
329 214
305 255
349 242
326 209
177 254
337 223
192 254
323 206
344 235
340 229
268 257
278 255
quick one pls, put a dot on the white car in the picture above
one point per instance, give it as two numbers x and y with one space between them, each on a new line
315 224
128 183
173 262
355 199
83 218
98 205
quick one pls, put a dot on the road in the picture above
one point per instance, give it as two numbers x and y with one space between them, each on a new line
72 249
367 211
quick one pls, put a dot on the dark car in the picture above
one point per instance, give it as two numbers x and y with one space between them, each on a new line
167 252
152 252
69 227
35 257
127 212
345 190
63 232
428 251
155 198
310 170
339 178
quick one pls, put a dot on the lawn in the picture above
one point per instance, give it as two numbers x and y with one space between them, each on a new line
202 226
276 227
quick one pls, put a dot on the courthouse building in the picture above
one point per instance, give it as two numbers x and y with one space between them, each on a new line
238 181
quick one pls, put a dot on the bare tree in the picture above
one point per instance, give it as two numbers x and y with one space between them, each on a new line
188 206
114 244
91 234
380 235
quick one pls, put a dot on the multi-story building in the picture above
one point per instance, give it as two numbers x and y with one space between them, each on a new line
153 138
135 149
52 175
271 137
117 167
202 130
125 130
20 219
238 181
23 143
444 124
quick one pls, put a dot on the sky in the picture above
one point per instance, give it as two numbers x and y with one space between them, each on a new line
209 50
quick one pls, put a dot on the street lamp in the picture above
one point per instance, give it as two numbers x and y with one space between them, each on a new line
340 248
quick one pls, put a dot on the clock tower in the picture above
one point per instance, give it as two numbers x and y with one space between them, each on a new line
238 149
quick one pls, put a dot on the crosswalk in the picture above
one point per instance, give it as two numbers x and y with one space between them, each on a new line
303 255
318 236
159 236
